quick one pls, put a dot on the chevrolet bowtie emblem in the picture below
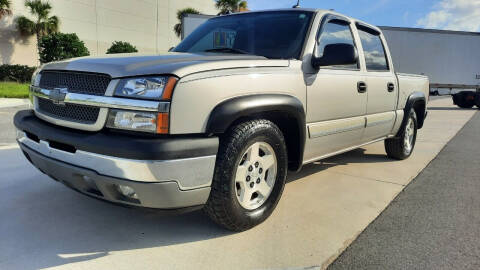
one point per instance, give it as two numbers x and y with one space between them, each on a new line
57 95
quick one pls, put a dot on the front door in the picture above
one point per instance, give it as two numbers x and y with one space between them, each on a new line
335 106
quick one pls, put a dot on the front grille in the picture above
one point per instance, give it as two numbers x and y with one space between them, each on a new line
75 82
69 112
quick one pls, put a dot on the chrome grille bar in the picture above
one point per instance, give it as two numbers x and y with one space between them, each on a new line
105 102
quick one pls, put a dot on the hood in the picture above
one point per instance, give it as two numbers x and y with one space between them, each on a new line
179 64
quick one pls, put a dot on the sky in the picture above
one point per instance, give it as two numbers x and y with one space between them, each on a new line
461 15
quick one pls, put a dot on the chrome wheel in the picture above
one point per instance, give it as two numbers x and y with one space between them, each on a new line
255 176
409 136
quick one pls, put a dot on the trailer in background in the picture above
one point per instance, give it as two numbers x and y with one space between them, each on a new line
451 60
191 21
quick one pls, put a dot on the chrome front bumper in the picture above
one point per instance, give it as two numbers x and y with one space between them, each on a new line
160 195
188 173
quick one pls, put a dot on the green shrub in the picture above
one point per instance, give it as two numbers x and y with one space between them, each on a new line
60 46
121 47
16 73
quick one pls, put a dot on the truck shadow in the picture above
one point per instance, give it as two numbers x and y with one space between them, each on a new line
355 156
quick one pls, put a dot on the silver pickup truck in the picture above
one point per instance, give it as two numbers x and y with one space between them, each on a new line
217 122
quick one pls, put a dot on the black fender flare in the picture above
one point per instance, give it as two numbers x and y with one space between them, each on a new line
265 106
411 100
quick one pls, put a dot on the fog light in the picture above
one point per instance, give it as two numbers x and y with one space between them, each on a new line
89 181
131 120
127 191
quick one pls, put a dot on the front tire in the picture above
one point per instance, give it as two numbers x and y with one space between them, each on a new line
249 175
402 147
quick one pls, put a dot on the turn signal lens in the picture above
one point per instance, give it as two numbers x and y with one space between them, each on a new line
162 123
168 91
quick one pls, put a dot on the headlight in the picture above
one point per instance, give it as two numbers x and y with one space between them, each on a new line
152 88
36 77
138 121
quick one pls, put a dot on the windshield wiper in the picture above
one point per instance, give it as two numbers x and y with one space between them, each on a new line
227 50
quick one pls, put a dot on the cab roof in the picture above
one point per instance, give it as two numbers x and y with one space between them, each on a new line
313 10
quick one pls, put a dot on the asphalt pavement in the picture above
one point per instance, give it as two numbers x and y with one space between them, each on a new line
435 222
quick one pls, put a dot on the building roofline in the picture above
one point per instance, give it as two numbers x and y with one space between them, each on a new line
437 31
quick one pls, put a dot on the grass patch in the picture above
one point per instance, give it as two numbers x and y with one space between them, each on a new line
13 90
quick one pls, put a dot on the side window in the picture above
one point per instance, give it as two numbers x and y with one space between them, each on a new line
335 32
375 57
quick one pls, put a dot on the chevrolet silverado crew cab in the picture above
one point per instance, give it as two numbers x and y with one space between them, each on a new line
218 121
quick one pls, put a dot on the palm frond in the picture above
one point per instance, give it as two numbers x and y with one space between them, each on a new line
53 24
230 6
5 8
25 26
185 11
178 29
39 8
5 12
243 5
5 4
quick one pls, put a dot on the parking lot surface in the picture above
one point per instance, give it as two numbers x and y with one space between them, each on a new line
323 209
7 130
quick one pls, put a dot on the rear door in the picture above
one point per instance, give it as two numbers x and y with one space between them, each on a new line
335 107
382 88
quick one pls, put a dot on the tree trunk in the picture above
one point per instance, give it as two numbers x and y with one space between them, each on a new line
38 46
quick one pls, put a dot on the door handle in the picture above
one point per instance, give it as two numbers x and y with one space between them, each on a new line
390 87
361 87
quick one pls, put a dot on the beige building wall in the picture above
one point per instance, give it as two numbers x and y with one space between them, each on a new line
147 24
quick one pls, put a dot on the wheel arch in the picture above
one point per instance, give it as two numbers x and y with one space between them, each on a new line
418 102
285 111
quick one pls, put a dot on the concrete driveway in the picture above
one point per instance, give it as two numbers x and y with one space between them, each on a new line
324 207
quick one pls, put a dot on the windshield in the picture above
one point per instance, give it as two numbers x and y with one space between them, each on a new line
277 35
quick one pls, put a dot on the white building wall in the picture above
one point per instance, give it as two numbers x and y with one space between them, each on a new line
147 24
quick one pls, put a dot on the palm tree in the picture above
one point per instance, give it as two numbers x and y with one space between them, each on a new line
43 24
231 6
180 14
5 8
242 6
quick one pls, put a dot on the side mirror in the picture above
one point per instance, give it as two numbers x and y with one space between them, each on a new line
336 54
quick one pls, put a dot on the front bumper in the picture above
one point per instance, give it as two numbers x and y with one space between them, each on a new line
163 173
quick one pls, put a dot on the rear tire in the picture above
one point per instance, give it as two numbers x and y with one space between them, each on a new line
477 100
465 100
249 175
402 147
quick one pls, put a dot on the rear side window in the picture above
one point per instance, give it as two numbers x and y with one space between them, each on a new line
375 57
335 32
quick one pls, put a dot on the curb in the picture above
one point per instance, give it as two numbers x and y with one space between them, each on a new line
13 102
